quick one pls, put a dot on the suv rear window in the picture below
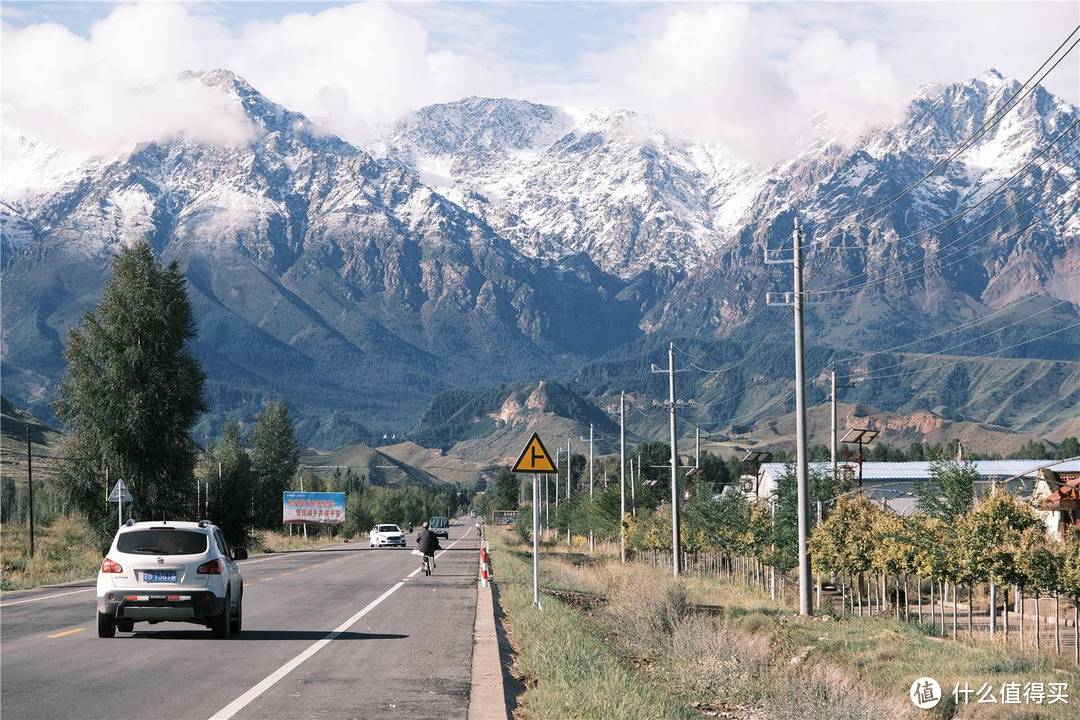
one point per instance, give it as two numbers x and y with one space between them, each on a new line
438 522
165 541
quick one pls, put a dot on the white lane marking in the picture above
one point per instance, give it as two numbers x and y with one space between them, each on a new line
270 680
44 597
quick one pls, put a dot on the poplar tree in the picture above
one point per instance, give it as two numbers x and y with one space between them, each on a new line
131 392
275 456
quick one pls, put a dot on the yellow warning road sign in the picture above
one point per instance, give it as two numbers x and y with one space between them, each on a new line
535 459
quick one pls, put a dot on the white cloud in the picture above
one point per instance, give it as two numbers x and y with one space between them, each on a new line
750 76
347 68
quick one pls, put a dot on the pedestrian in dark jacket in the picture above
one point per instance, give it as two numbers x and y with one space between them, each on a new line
427 543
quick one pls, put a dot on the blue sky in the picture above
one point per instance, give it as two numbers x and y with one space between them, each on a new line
746 75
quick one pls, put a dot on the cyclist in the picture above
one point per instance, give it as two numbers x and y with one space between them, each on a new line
427 544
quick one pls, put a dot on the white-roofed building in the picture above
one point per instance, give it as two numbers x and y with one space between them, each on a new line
895 483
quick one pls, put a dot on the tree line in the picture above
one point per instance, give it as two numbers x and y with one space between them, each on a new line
130 395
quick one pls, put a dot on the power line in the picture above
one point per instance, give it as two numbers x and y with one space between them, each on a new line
961 326
975 339
985 127
993 194
936 263
968 359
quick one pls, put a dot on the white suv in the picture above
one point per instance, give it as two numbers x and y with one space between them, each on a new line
382 535
170 571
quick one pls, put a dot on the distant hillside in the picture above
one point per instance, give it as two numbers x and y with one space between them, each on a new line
494 425
437 463
364 460
896 430
44 443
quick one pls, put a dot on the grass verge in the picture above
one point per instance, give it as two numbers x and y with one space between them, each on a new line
744 656
63 551
568 666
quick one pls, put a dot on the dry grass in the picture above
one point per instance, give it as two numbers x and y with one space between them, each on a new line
267 541
63 552
756 658
568 666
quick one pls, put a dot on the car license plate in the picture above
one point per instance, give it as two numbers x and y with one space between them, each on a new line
159 576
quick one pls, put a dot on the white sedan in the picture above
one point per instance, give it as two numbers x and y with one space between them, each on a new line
384 535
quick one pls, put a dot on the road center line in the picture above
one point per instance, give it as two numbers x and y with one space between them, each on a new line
65 633
270 680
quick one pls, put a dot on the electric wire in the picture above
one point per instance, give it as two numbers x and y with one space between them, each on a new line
1012 102
872 376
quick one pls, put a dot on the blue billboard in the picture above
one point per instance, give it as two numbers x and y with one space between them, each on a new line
317 508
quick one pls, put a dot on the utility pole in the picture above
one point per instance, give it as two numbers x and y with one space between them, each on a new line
592 540
569 469
30 488
301 490
622 477
634 479
805 607
805 593
676 536
697 448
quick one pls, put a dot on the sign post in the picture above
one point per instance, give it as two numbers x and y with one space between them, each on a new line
536 460
119 495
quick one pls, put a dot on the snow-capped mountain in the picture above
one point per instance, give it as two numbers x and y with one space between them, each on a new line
557 182
505 240
316 271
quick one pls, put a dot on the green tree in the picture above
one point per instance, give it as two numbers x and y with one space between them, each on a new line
275 455
1069 447
950 491
989 537
503 495
232 484
132 391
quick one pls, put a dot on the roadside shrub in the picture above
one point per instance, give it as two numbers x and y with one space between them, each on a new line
715 660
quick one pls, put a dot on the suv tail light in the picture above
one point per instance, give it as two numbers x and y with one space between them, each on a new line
210 568
111 566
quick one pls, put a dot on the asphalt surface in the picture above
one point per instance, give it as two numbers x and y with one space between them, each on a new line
345 632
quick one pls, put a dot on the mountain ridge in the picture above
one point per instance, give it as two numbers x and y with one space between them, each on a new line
345 283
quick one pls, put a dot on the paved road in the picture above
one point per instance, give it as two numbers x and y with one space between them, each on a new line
346 632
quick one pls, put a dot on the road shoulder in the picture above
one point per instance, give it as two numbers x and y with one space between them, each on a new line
487 695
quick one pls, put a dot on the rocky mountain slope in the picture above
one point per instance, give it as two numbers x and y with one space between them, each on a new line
493 241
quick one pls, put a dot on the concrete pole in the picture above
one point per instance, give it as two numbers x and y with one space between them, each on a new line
569 470
557 487
805 599
622 477
633 492
832 415
301 490
676 537
697 448
30 489
592 540
817 584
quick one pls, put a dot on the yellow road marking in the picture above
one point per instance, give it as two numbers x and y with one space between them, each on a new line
269 578
65 633
302 569
287 573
